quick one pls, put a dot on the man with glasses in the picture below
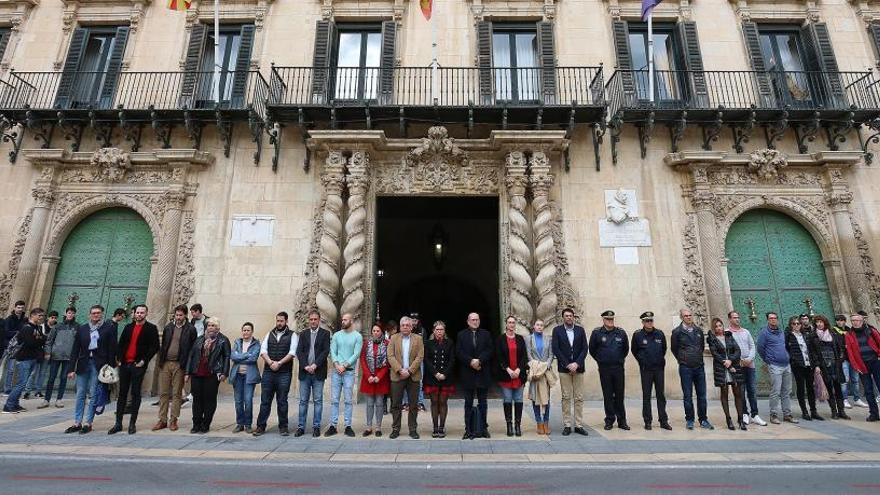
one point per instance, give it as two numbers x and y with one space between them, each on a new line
649 348
863 349
771 348
609 347
747 364
94 347
31 339
688 343
850 376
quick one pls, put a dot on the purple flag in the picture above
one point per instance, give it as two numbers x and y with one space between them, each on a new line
647 5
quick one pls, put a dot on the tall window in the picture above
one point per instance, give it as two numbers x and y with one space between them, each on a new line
784 57
230 45
200 86
91 70
667 61
358 61
515 58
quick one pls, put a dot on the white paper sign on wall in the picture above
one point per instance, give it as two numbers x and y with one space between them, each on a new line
252 230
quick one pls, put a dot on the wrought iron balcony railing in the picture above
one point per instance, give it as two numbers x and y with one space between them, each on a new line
454 86
744 90
133 91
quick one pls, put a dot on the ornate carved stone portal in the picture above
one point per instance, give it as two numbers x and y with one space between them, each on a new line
71 186
515 166
811 188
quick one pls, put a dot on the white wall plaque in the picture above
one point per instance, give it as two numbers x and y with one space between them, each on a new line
252 230
626 256
631 233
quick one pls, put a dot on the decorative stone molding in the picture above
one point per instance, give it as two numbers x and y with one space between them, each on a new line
355 243
632 10
518 235
389 9
97 12
308 291
766 163
546 297
14 14
545 9
231 12
692 284
7 278
768 10
867 261
184 276
331 239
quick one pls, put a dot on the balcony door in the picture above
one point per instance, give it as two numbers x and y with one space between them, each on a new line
517 67
669 83
358 62
91 70
784 56
199 87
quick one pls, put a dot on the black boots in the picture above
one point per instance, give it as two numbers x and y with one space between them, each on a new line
517 417
508 413
730 424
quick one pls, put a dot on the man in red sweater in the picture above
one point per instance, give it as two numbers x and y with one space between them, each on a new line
137 346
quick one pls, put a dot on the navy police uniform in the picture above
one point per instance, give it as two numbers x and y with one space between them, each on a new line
609 347
649 348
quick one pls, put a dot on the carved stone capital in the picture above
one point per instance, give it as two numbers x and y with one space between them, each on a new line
839 199
43 197
767 163
703 200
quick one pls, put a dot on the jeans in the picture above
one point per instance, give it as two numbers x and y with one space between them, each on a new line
9 374
86 383
275 384
871 383
780 389
539 418
850 382
691 379
341 383
37 379
512 394
310 386
244 400
375 408
750 406
23 370
57 369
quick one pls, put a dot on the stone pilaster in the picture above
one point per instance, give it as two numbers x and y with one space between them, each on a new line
518 238
838 199
545 270
710 245
30 256
333 180
355 243
167 259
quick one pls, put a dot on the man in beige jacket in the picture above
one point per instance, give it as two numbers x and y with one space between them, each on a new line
405 356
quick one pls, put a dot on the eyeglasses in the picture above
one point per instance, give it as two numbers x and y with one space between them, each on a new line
795 324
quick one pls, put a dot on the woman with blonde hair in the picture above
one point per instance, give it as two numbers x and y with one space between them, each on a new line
208 365
542 375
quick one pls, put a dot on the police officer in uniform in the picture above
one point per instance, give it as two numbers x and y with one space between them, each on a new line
609 347
649 348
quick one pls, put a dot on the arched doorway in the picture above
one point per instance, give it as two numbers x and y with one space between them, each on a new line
105 260
774 261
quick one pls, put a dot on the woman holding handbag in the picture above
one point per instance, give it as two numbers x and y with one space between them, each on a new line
832 352
727 371
542 375
802 351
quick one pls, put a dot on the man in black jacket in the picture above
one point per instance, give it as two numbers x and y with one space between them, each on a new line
31 339
570 348
312 352
177 340
688 343
649 348
95 346
474 354
11 325
137 346
609 347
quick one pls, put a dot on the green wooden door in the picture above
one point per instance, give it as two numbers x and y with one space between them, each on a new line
105 260
774 261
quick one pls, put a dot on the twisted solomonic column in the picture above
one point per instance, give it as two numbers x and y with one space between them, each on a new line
545 251
517 241
331 238
355 226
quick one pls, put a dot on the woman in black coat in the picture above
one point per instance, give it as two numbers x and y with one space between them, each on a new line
805 359
726 370
511 370
437 379
832 353
207 367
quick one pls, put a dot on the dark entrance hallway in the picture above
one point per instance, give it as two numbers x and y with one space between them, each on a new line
438 257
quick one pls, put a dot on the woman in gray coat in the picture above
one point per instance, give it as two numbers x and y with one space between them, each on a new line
540 354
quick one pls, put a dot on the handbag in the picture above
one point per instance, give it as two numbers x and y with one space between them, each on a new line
819 387
108 374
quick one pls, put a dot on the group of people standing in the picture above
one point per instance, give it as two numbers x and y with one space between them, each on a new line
409 364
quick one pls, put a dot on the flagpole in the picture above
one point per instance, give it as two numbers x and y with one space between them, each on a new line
651 55
434 63
217 60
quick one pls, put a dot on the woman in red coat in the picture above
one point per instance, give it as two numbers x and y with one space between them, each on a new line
375 381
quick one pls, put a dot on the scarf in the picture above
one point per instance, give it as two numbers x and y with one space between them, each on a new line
209 344
824 335
377 356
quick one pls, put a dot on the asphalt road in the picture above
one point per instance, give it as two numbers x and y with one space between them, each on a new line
29 474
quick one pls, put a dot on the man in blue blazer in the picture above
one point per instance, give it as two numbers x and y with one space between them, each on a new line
94 346
570 348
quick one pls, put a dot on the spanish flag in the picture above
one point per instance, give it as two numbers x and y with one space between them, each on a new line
426 5
178 4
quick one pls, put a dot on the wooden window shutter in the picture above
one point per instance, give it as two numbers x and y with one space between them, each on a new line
821 55
4 40
874 31
484 61
192 65
325 35
547 54
756 56
624 57
693 59
386 71
114 65
71 66
242 66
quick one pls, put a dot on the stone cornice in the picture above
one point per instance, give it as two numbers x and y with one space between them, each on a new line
839 159
82 158
548 141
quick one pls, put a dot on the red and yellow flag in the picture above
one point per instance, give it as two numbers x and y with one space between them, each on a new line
178 4
427 6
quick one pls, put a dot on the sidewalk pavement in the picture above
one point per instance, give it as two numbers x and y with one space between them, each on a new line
42 431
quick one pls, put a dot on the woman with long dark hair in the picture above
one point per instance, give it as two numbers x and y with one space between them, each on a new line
375 380
511 367
726 370
832 352
804 363
437 379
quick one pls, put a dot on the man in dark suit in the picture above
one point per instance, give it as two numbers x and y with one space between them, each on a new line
312 351
570 348
474 354
95 346
138 344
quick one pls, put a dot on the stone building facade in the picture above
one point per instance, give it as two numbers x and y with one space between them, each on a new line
744 185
